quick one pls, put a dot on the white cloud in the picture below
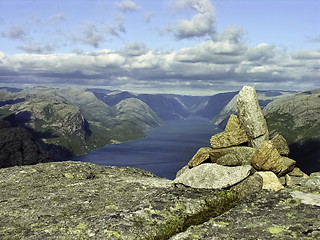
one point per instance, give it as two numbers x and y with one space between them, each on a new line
201 24
232 33
307 54
127 6
222 52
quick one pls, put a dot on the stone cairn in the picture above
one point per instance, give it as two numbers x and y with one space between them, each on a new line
242 150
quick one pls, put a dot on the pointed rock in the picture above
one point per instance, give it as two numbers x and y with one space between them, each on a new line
251 117
267 158
232 124
270 181
229 138
281 145
213 176
201 156
296 172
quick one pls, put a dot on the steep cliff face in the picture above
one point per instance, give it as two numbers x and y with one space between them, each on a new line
18 147
51 115
137 112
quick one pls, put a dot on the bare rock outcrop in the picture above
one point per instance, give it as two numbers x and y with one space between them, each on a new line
244 142
251 117
213 176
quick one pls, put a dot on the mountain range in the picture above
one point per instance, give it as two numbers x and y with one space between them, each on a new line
68 122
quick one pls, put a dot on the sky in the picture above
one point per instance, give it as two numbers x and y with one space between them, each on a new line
194 47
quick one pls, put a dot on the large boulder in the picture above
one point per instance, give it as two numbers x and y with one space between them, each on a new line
251 117
74 200
267 158
213 176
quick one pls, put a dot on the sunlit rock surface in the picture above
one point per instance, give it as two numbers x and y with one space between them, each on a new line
291 213
74 200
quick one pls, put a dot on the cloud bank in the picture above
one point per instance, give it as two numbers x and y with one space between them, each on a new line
211 65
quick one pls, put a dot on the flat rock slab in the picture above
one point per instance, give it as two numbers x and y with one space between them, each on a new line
229 139
75 200
291 213
242 154
213 176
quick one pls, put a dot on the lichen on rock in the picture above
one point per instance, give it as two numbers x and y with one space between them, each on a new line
74 200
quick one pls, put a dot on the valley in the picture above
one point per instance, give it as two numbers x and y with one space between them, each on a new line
73 122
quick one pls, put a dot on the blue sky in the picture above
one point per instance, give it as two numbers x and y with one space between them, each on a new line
174 46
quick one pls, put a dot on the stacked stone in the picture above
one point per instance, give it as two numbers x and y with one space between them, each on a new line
243 150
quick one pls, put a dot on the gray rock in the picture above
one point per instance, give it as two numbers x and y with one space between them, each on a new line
75 200
182 170
213 176
251 117
313 183
250 185
307 198
291 213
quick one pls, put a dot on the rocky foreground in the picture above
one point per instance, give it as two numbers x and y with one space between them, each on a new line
73 200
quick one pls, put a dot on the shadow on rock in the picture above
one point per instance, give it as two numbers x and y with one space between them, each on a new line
307 155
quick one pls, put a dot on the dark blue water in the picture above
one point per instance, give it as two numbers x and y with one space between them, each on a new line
163 151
